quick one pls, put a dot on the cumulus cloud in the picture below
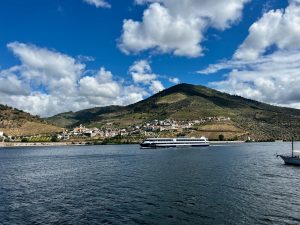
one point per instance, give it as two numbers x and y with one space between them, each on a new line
274 79
141 73
156 86
98 3
174 80
102 85
256 72
47 82
54 71
11 84
277 28
178 27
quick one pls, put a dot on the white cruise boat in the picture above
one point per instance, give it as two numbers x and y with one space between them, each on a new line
174 142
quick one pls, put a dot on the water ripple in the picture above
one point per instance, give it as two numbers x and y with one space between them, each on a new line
223 184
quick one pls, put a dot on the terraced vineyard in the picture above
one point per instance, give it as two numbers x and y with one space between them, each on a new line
14 122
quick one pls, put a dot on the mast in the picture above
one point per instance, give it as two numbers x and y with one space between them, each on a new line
292 146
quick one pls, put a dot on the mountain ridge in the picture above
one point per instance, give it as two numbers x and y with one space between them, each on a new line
192 102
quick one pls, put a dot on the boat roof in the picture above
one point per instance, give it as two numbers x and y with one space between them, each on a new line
178 138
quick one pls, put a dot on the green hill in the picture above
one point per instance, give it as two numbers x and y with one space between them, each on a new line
14 122
191 102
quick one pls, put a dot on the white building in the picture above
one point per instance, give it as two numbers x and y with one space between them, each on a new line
1 134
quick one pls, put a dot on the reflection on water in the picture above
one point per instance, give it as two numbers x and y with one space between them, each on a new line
228 184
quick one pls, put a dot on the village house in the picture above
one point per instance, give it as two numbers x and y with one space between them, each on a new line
108 131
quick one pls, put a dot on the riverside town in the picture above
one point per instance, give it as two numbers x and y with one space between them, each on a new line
148 129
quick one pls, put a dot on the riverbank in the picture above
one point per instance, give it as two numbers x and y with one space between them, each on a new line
41 144
38 144
225 142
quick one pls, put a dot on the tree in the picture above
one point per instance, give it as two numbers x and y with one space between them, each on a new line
54 138
221 137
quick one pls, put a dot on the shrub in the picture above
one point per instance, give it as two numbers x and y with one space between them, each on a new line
221 137
24 139
54 138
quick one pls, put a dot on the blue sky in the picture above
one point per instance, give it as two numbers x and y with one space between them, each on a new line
94 53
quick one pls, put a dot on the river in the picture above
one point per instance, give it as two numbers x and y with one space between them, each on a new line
122 184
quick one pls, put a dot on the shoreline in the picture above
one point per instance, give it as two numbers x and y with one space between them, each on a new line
37 144
56 144
226 142
52 144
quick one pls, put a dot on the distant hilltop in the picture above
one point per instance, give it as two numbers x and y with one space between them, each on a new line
186 103
15 122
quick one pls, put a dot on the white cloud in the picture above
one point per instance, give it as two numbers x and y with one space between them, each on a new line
143 78
174 80
11 84
141 2
141 73
268 76
102 85
141 66
47 82
85 58
178 27
273 79
54 71
131 94
98 3
277 28
156 86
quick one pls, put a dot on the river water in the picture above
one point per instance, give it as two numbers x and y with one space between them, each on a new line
122 184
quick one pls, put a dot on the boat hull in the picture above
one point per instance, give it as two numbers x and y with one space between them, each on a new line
173 145
288 160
